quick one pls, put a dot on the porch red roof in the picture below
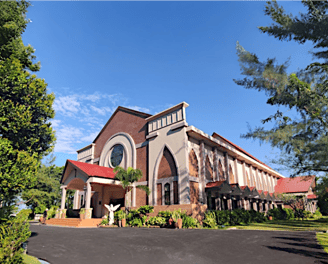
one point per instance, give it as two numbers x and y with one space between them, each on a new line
93 169
294 185
312 196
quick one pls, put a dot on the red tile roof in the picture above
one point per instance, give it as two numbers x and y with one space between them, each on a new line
214 184
93 169
294 185
239 148
243 187
312 196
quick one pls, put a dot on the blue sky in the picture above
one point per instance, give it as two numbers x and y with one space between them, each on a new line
148 56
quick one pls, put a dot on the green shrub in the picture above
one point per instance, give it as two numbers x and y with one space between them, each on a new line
222 217
299 213
317 214
52 212
146 209
257 217
188 221
136 222
176 215
104 222
278 214
12 234
156 221
120 215
166 214
307 214
210 220
289 213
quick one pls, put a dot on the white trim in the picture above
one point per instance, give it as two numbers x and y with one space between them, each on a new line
152 135
103 181
130 149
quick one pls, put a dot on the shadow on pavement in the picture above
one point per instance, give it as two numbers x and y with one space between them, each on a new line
306 253
33 234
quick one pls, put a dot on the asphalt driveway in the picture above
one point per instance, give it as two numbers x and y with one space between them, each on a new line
61 245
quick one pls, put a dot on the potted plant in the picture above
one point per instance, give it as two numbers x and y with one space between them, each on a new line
176 216
121 218
82 213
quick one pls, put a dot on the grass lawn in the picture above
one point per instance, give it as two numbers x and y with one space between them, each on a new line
30 259
323 240
289 225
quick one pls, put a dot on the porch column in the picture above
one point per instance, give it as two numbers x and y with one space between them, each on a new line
229 204
76 200
88 210
63 197
134 195
218 204
62 213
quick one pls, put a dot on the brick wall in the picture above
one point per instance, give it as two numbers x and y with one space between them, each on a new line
167 166
122 121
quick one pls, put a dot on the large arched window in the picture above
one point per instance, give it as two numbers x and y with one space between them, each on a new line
220 170
167 194
193 164
167 167
208 170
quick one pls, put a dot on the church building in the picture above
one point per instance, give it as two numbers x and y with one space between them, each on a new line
182 166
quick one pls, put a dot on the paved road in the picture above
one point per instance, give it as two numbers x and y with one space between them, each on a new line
60 245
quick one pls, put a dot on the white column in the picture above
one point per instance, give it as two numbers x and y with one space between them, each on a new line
134 195
76 200
235 163
63 196
88 196
244 173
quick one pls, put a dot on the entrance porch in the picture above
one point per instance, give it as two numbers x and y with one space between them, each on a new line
94 187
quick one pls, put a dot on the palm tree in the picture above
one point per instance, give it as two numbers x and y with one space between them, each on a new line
127 178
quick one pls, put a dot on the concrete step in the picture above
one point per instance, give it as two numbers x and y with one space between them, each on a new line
75 222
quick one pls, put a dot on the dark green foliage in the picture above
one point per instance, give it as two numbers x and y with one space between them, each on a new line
189 222
321 192
281 214
317 214
146 209
104 221
26 135
136 222
156 221
222 217
166 214
303 139
13 233
210 220
46 191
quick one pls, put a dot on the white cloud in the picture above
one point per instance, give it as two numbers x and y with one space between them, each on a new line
67 105
55 123
90 137
138 108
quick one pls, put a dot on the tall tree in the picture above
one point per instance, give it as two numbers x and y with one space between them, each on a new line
304 139
25 106
46 191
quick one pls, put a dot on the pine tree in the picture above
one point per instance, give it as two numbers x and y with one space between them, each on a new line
304 139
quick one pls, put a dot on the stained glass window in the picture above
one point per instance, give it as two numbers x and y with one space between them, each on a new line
116 155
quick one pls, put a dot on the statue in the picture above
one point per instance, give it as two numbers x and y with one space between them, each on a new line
111 210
